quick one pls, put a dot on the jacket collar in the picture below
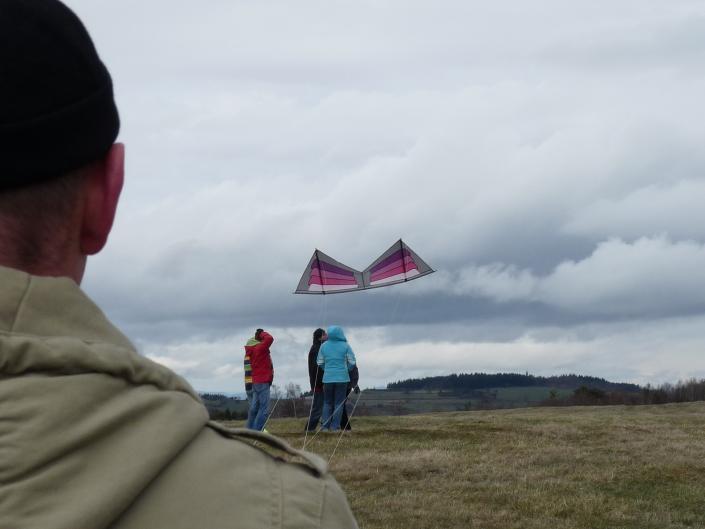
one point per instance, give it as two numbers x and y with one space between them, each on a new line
56 311
52 306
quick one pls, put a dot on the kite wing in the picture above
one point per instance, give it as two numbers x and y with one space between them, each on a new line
325 275
397 265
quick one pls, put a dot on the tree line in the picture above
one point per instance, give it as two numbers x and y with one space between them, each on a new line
464 383
691 390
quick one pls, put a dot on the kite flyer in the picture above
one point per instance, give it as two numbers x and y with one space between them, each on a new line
335 358
333 374
262 375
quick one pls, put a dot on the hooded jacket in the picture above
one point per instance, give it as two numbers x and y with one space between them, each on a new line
261 359
336 357
94 436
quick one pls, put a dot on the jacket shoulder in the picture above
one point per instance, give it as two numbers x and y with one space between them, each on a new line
241 478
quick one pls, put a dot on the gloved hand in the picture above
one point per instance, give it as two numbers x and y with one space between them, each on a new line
356 389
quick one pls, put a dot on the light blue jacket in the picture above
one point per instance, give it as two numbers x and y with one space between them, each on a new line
336 356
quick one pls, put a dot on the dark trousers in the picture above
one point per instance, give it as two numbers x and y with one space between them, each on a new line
334 395
316 411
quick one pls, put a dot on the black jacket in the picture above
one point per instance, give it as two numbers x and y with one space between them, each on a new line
354 377
315 372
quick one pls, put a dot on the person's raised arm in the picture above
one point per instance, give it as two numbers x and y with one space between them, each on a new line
266 339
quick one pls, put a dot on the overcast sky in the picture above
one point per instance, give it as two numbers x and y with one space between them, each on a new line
545 157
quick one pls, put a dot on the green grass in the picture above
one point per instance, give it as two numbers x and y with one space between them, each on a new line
639 467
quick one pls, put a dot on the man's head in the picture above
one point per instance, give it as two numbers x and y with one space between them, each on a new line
60 171
258 334
319 335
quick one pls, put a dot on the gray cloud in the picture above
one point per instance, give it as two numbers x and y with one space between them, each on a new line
649 277
546 158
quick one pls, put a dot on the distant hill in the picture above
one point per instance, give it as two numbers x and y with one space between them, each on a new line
477 391
224 407
466 383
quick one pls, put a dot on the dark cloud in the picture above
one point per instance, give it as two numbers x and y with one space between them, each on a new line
545 158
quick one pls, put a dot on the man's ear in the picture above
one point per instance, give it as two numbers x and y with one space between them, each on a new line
100 199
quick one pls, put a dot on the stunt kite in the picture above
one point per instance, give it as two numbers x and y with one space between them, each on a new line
325 275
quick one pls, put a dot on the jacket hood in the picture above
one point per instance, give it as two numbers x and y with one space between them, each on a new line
252 341
336 333
77 403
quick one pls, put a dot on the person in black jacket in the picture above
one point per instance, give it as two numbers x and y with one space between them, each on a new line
352 386
315 375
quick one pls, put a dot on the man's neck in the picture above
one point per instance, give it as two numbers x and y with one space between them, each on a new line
73 268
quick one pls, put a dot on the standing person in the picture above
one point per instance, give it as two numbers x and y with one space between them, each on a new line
93 434
354 375
336 357
262 378
248 368
315 375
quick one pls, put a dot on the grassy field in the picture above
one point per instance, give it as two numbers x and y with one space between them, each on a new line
636 467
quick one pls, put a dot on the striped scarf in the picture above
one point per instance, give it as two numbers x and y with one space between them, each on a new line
248 365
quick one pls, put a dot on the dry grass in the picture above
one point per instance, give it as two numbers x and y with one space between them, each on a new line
581 467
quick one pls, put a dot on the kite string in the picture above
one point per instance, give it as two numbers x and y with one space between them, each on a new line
323 312
394 310
393 315
342 432
350 416
320 428
310 411
269 415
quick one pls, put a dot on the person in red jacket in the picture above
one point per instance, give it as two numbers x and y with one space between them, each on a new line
262 378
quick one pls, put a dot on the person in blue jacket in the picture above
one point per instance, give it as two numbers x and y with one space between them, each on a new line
336 358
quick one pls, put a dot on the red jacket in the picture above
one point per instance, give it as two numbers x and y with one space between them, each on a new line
260 360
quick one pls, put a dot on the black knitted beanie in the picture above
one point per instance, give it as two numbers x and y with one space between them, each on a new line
57 111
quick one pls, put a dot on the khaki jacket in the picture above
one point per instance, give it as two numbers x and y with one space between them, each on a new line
94 436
